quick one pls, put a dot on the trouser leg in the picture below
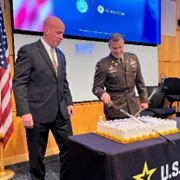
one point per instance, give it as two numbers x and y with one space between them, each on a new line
37 142
61 130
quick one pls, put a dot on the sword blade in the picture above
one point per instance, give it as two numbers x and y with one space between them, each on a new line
123 111
165 137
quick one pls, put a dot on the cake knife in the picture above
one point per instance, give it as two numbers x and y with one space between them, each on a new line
151 95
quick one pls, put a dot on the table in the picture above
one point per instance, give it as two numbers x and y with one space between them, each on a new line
92 157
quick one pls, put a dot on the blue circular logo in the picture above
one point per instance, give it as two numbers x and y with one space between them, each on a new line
100 9
82 6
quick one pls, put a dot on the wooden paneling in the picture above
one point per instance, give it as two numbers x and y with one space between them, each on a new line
86 117
169 69
168 50
177 13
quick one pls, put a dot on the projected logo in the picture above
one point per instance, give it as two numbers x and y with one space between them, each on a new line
100 9
81 6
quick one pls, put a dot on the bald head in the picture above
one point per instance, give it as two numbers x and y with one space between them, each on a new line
52 21
53 30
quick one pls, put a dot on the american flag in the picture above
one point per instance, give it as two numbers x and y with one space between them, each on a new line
6 123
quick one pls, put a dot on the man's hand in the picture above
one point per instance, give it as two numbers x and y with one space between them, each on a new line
27 121
144 106
105 98
71 110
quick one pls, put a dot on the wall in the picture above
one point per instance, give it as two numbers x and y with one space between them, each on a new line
81 66
169 51
87 114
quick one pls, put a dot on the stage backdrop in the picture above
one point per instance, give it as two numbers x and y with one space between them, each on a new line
82 56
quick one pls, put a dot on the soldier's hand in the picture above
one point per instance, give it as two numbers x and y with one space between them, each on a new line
105 98
144 106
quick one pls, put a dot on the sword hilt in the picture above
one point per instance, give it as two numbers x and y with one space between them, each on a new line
110 103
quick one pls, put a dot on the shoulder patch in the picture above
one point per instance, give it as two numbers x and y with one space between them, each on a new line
97 67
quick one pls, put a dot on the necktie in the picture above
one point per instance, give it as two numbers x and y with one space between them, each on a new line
122 62
54 62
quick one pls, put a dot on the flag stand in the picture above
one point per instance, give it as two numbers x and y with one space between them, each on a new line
4 174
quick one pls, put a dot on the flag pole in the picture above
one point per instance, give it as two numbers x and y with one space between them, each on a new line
4 174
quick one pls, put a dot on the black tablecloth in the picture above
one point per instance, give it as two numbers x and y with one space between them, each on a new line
92 157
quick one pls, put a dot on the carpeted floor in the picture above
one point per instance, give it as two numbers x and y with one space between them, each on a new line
52 167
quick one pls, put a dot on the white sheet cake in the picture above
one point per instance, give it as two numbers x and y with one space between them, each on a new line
127 130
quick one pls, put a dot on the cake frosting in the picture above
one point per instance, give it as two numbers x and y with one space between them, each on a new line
128 130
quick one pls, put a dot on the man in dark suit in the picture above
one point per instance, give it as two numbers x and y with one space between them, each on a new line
42 95
115 79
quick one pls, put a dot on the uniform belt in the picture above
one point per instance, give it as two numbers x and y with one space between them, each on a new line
119 91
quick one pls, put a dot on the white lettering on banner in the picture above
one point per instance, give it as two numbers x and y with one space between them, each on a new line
175 168
165 171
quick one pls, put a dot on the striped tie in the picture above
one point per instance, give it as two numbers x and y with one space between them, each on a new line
54 62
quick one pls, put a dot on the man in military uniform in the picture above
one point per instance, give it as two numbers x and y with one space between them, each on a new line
115 79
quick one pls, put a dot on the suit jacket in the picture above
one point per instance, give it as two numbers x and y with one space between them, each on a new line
120 82
37 89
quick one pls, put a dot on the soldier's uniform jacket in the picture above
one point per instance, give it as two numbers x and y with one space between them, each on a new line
119 80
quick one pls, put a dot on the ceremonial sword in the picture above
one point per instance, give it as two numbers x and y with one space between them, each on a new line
110 103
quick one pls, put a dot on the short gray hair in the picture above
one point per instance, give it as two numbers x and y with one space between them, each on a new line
115 37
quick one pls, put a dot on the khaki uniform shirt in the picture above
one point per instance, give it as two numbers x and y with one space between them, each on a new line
119 82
